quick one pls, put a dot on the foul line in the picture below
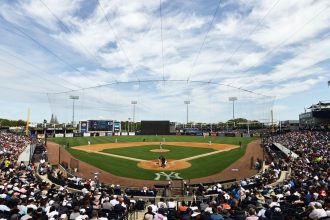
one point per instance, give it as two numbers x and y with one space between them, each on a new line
115 155
206 154
141 160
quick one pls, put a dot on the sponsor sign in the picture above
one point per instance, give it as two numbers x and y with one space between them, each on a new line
69 135
246 135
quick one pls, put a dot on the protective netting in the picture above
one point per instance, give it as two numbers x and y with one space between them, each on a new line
161 100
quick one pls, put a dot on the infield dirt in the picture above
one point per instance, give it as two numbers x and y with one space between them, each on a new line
242 167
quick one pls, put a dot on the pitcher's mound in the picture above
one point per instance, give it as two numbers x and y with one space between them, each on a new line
160 150
171 165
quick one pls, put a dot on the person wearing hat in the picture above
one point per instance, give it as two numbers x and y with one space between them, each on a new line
260 198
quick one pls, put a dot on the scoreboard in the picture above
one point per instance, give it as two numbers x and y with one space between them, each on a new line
155 127
100 125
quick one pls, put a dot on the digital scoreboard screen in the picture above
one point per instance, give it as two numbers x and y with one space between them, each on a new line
100 125
155 127
116 126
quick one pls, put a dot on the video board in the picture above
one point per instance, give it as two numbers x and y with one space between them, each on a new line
100 125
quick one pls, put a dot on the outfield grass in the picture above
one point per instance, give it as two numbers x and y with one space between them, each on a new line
143 152
201 167
78 141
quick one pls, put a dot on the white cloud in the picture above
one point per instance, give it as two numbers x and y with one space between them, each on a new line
275 49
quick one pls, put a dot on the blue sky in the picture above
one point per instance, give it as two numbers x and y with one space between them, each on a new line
51 49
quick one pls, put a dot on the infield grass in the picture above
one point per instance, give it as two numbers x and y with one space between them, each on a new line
200 167
143 152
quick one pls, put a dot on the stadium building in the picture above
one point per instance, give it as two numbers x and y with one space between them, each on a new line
318 116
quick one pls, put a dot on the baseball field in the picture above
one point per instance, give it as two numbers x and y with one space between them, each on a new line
136 157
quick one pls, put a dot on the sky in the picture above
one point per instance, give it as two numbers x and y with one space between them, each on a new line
270 54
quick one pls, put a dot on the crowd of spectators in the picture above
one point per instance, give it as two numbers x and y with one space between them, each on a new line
12 144
303 195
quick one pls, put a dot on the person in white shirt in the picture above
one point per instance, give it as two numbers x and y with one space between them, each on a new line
161 204
114 201
171 204
28 215
32 204
317 211
153 206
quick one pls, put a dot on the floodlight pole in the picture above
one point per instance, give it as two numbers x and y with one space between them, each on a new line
233 99
134 103
73 97
129 119
187 102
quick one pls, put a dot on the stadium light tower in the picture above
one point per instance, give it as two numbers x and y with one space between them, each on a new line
233 99
134 103
187 102
73 97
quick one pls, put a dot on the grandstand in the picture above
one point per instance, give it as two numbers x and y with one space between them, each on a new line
164 110
285 186
318 116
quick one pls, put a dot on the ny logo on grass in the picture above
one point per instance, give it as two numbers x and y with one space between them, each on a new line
170 176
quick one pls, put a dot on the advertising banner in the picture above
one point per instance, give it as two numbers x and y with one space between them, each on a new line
69 135
246 135
83 126
213 133
87 134
59 135
221 134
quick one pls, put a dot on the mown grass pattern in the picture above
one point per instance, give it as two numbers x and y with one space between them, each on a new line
201 167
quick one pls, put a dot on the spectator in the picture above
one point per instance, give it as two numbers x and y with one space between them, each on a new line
149 215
